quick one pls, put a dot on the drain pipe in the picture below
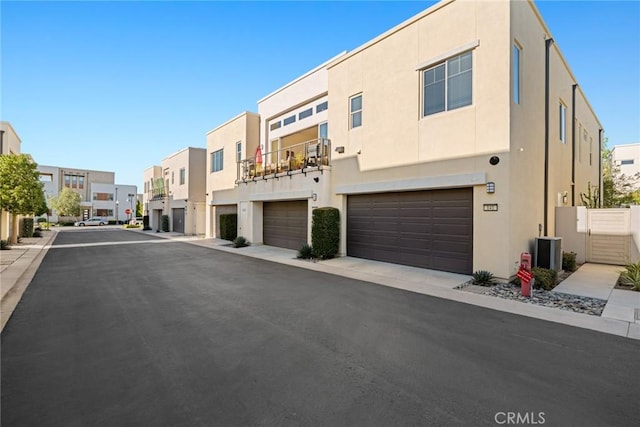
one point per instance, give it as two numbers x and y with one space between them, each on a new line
573 145
1 141
548 42
600 183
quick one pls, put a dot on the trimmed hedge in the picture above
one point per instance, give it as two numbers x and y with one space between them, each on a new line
145 222
26 229
325 232
228 226
165 222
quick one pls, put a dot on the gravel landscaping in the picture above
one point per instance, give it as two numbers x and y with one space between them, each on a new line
568 302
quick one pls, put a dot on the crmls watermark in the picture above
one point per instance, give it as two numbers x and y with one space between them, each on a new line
519 418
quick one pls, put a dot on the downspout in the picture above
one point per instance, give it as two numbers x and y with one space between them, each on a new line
1 141
600 183
573 145
548 42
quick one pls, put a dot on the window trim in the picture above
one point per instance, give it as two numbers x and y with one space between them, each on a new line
352 113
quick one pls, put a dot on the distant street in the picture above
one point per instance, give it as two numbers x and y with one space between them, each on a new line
151 332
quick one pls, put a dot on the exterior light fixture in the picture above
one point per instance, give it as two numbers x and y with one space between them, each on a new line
491 187
314 196
340 149
494 160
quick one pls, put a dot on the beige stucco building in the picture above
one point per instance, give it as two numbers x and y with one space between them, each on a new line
446 143
177 189
9 144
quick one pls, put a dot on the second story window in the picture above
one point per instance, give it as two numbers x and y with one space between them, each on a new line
563 123
172 176
183 176
516 73
216 160
355 111
448 85
238 151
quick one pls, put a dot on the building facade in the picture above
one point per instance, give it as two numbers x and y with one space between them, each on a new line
449 153
626 159
10 144
177 189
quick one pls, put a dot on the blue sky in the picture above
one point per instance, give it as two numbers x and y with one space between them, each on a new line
117 86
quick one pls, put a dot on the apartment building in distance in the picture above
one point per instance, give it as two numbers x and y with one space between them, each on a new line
10 143
446 143
100 195
626 159
177 189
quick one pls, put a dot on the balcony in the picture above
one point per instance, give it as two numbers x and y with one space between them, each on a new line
299 158
157 193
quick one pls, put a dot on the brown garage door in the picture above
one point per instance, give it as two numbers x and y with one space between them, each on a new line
429 229
178 220
285 224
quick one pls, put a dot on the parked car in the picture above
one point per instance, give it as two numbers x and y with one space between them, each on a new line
91 221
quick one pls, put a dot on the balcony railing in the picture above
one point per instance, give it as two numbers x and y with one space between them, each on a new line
300 157
157 193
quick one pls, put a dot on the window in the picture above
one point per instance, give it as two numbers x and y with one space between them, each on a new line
516 73
103 196
355 111
275 125
238 151
289 120
323 130
563 123
102 212
67 181
81 182
626 162
74 181
216 161
322 106
183 176
304 114
46 177
448 85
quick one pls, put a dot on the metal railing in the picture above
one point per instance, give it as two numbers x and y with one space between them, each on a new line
308 154
158 193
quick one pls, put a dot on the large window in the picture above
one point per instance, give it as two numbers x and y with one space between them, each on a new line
103 196
102 212
74 181
448 85
516 73
355 111
183 176
238 151
563 123
216 160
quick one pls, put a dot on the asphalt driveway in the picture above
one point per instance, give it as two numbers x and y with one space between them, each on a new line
147 331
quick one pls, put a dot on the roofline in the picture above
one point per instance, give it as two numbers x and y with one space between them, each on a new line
12 129
325 64
244 113
183 150
75 169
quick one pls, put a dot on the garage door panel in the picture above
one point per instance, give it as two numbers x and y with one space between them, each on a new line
285 223
429 229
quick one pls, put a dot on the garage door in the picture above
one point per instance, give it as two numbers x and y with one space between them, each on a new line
178 220
285 224
428 229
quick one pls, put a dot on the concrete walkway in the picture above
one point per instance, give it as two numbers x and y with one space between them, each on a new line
619 316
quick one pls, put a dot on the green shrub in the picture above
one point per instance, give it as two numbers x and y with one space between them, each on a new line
37 233
240 242
631 276
131 226
26 229
145 223
569 261
483 278
165 222
544 278
4 245
229 226
325 232
306 252
66 223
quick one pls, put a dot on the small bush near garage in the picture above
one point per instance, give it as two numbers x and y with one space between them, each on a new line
630 278
27 227
145 223
306 252
37 233
483 278
4 245
569 261
228 226
165 222
240 242
325 232
544 278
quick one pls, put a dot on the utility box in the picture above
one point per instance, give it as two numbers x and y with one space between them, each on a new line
548 253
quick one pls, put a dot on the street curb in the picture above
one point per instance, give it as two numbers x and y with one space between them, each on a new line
12 295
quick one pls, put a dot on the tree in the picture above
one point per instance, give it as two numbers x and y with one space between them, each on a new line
618 189
67 203
21 191
138 208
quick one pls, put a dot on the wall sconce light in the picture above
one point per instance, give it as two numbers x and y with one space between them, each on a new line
340 149
565 198
316 179
314 196
491 187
